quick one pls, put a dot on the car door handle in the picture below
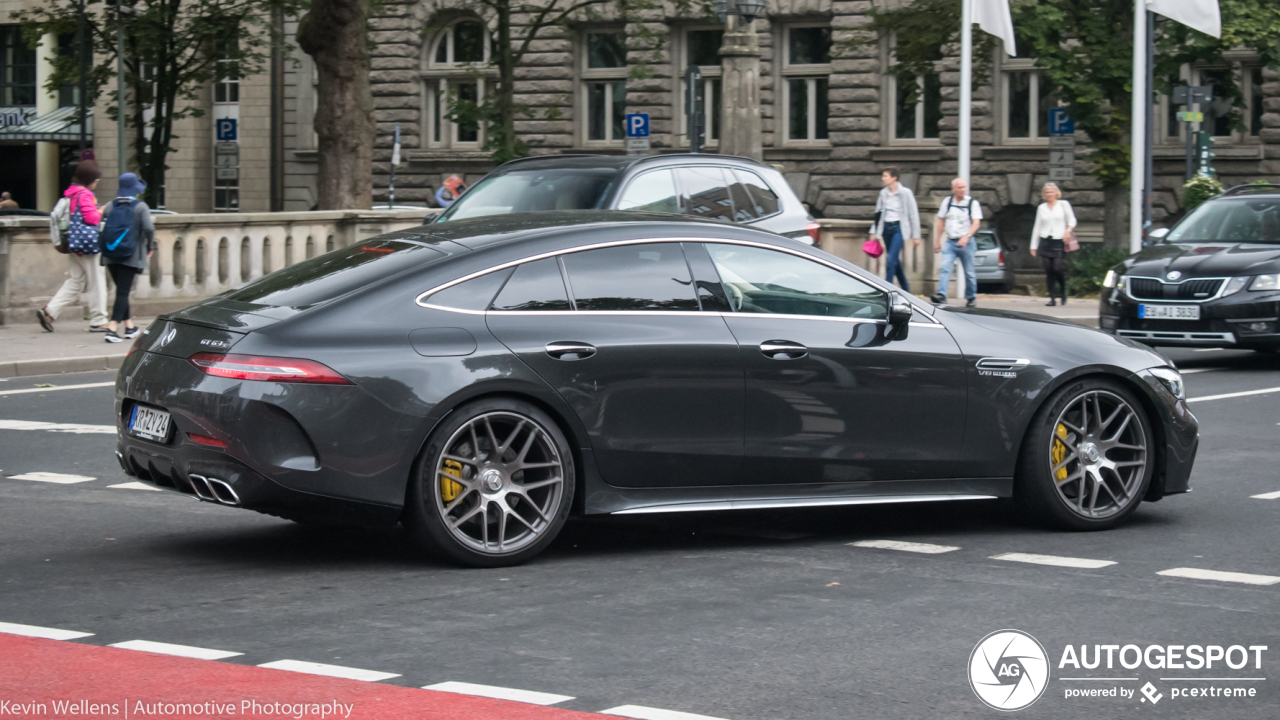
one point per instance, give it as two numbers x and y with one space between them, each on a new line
570 350
783 350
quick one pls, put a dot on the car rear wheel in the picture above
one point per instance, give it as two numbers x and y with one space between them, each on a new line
1088 457
494 486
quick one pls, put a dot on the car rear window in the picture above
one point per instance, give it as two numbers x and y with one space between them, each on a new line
705 193
536 285
764 200
474 294
334 274
986 241
534 191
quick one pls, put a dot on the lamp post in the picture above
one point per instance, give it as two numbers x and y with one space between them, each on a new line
122 150
741 130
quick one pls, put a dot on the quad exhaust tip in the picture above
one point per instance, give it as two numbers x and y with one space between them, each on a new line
214 490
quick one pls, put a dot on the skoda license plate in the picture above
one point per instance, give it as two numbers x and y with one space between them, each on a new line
149 423
1169 312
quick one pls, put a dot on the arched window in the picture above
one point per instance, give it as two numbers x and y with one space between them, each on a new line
456 68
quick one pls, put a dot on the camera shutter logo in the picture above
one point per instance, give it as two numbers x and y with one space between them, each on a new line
1008 670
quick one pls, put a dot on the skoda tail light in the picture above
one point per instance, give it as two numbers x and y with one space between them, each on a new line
267 369
814 229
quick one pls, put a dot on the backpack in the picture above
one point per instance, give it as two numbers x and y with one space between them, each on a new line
118 239
59 224
968 209
82 238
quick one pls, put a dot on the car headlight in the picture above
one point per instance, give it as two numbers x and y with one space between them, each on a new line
1110 280
1235 285
1265 282
1172 381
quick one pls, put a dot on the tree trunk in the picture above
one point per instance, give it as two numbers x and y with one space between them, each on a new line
506 83
1115 224
335 34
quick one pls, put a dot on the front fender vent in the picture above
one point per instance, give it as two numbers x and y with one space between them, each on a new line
994 363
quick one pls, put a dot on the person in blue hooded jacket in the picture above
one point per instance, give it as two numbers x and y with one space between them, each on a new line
123 270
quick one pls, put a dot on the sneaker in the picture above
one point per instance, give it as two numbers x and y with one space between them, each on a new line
112 337
131 333
939 299
46 320
1051 303
99 328
973 302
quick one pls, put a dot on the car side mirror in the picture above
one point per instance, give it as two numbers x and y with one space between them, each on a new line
1158 234
899 319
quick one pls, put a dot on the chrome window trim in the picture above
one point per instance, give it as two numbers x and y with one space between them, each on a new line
873 281
1129 292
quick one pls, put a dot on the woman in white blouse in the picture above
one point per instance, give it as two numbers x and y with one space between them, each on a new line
1054 224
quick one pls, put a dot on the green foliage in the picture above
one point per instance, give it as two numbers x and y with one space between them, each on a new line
1198 189
1087 267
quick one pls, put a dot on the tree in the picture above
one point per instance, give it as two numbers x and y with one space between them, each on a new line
336 34
172 50
1086 50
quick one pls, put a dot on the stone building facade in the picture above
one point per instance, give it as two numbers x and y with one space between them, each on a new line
831 115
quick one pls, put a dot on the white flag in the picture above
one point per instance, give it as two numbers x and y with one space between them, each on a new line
1199 15
993 16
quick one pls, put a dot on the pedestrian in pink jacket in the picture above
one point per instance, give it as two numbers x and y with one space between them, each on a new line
86 275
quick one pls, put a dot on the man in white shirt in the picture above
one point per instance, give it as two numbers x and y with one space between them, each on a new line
898 220
958 219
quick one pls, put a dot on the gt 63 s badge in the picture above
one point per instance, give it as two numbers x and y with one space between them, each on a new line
1008 670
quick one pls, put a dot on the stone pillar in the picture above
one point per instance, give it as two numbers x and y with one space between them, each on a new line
47 190
741 128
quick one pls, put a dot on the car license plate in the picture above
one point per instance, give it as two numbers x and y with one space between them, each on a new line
149 423
1169 312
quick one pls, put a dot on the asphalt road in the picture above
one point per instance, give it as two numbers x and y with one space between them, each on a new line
745 616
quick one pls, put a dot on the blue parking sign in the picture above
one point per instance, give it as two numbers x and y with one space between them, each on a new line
638 125
226 129
1060 123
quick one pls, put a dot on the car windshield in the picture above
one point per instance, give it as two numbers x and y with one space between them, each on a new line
534 191
1251 220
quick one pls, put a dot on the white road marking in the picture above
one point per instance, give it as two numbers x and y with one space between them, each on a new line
639 712
1207 350
1054 560
905 546
1196 370
62 387
41 632
329 670
1234 395
134 486
77 428
1267 496
49 477
179 650
499 693
1220 576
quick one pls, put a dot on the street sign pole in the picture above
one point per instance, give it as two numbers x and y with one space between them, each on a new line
395 160
1062 146
693 108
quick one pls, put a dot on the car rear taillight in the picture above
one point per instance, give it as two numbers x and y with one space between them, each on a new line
206 440
136 343
813 229
1001 260
269 369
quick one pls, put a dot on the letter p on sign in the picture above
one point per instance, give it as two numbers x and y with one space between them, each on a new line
638 125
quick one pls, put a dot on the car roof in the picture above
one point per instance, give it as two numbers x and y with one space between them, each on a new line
616 162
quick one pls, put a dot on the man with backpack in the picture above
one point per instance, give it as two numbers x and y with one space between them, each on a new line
73 228
127 241
959 219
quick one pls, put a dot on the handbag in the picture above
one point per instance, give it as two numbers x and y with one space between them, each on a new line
873 248
82 238
1070 244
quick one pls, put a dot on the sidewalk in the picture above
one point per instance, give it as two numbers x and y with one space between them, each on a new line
1083 311
29 350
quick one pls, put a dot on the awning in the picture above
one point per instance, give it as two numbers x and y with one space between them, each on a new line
61 125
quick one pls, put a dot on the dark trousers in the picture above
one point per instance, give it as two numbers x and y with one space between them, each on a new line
122 276
893 255
1055 267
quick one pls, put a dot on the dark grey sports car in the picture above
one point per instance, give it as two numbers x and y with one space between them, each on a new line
480 380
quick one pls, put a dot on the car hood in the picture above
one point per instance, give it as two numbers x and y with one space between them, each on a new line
1205 260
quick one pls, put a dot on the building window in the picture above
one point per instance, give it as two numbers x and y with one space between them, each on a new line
806 65
1026 96
918 117
604 86
17 68
1254 96
702 48
456 72
226 86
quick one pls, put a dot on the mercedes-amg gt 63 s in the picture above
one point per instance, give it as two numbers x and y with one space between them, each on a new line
480 380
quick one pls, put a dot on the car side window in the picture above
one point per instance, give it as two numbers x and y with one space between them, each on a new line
653 192
758 280
705 193
986 241
762 197
651 276
473 294
536 285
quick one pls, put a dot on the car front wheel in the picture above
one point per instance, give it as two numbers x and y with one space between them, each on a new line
1088 457
494 486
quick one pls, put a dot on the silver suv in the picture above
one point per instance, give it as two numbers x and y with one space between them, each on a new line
718 187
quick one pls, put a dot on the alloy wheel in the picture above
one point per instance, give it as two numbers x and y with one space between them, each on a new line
1098 454
499 482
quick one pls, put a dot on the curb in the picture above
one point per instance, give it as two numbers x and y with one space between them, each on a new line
52 366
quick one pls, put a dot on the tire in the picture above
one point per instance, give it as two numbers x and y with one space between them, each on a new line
494 485
1074 475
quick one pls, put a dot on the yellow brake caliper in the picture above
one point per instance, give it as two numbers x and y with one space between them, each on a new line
448 488
1058 452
